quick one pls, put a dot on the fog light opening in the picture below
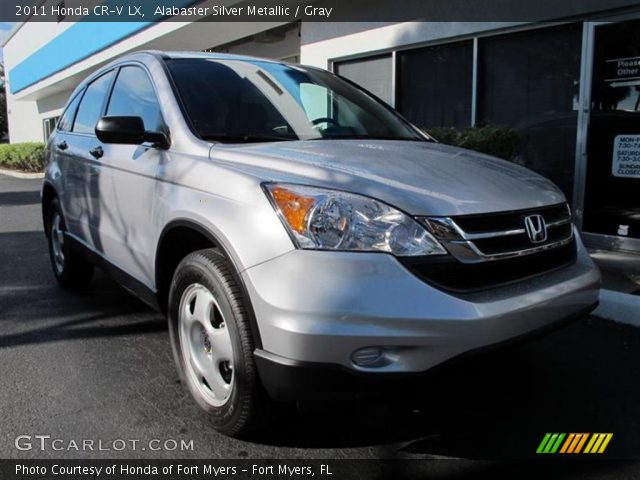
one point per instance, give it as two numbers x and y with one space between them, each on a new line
370 357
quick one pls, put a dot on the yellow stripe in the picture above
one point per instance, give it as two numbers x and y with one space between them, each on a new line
590 444
566 443
606 442
584 439
594 449
574 443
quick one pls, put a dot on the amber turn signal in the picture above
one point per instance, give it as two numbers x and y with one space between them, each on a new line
294 207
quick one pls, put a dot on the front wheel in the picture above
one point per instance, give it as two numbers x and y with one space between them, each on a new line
212 342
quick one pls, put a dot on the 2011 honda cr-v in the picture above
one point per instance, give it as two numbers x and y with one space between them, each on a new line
300 235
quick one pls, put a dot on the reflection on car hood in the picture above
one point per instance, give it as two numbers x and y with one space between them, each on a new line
421 178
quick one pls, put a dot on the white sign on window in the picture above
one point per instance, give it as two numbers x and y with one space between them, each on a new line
626 156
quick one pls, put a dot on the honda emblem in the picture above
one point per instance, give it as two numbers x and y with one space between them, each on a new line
536 228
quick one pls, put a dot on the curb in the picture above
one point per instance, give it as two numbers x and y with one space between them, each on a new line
619 307
17 174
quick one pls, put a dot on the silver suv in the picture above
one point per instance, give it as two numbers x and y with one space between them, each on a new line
304 240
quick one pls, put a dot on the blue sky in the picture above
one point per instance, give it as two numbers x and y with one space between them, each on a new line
5 28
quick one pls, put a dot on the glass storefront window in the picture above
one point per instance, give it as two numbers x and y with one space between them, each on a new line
612 190
434 85
372 73
530 81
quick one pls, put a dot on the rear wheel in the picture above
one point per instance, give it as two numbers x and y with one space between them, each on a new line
71 270
212 342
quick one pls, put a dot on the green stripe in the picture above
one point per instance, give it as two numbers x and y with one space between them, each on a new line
547 449
557 445
543 443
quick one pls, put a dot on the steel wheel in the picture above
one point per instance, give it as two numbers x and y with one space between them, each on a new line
57 242
206 344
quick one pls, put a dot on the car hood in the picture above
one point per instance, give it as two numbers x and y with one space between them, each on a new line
421 178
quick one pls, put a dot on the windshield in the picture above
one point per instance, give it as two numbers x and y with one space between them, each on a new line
233 101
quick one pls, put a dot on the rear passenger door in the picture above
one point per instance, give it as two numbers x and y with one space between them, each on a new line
128 222
64 147
83 183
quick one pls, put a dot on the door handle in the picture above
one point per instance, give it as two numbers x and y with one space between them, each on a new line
62 145
97 152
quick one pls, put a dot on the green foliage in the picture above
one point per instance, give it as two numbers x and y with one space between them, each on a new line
498 140
27 157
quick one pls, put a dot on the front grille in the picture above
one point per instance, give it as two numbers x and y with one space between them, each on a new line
488 250
484 223
467 277
519 242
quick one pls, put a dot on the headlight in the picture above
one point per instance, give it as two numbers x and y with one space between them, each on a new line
319 218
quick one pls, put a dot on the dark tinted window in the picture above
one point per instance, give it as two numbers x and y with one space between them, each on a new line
66 121
91 105
530 81
243 101
612 197
374 74
133 95
434 85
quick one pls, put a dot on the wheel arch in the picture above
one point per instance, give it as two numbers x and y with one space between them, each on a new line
49 194
179 238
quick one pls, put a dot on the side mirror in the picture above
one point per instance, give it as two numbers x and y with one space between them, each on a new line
128 131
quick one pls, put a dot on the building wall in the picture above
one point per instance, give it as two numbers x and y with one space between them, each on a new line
31 103
282 43
356 41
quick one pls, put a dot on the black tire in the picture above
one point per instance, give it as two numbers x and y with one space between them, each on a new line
71 270
243 411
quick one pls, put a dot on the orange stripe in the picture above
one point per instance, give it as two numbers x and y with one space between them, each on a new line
565 445
584 439
574 443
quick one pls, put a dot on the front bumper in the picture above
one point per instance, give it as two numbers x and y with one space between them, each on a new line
317 308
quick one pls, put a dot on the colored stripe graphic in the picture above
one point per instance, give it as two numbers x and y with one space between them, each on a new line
567 443
581 442
598 442
574 443
550 443
543 443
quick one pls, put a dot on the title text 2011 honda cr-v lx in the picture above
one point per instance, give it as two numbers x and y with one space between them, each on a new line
300 235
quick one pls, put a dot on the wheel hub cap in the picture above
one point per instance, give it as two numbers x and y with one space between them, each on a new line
206 344
57 242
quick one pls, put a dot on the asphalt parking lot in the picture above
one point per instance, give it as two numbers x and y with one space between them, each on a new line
97 365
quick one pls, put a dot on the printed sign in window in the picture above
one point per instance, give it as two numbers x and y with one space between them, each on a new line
622 72
626 156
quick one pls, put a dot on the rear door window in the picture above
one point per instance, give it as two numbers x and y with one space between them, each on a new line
66 121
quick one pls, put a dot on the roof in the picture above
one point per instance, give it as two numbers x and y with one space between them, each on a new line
214 55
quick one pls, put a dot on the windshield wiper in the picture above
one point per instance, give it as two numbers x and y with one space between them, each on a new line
246 138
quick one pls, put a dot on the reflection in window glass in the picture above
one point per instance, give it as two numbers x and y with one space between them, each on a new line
91 105
133 96
434 85
374 74
67 117
530 81
314 100
612 202
243 101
